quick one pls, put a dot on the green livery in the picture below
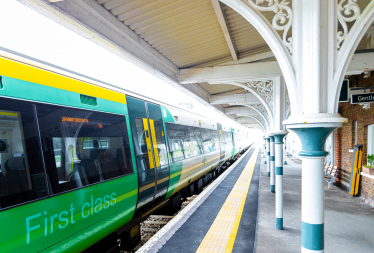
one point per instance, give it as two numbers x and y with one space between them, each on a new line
84 163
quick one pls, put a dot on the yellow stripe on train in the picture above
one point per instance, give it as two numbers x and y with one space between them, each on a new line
35 75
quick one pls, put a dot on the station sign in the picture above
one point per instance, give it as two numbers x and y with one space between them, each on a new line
362 98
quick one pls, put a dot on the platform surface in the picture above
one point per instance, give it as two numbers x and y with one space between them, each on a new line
238 215
349 222
224 216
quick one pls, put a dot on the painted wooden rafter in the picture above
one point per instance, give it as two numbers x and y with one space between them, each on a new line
225 28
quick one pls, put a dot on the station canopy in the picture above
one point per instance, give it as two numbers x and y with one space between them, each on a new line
202 47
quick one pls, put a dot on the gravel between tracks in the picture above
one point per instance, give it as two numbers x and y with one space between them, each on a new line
146 235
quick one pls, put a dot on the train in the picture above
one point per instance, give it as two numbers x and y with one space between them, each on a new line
83 164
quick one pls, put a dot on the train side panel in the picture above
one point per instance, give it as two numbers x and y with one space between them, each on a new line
69 221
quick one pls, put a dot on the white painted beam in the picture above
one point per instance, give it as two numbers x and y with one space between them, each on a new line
245 119
251 58
252 121
239 72
259 70
361 63
241 111
225 28
241 98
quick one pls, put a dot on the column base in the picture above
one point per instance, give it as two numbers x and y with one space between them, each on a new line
279 223
312 237
285 162
272 188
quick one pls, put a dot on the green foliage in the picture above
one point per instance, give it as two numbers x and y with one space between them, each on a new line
370 160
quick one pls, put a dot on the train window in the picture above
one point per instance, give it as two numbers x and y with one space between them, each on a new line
160 145
83 147
228 138
192 143
215 140
210 140
184 141
22 176
207 141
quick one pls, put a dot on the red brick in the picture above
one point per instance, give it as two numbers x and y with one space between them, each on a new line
344 139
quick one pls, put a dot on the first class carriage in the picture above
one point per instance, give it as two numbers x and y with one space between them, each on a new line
82 165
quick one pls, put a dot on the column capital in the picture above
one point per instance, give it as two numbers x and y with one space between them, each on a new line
271 138
279 135
315 118
313 130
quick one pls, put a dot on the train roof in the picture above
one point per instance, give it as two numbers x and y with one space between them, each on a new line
178 115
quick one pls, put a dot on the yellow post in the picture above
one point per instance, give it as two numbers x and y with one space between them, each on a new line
358 172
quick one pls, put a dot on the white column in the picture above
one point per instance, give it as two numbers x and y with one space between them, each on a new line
313 204
313 136
272 164
264 149
279 135
314 41
285 151
268 155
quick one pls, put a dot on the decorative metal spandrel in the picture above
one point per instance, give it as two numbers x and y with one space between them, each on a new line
347 11
264 89
288 102
282 20
261 108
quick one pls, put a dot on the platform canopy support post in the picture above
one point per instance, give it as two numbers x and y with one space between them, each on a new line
272 164
264 148
267 161
279 135
285 150
313 137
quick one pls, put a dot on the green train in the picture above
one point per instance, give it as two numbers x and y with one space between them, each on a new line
83 164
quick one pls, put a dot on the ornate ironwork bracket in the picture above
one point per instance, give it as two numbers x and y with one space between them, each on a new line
282 20
347 11
264 89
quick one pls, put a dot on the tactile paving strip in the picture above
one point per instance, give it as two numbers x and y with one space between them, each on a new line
221 235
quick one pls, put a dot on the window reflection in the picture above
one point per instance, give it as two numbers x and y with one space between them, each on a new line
83 147
186 141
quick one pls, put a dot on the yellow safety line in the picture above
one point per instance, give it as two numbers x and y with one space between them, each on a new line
221 235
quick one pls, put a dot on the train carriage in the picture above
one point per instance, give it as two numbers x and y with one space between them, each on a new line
83 165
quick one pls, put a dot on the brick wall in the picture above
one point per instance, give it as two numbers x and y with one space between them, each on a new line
345 136
337 153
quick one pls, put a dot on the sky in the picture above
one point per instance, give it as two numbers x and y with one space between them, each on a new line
28 32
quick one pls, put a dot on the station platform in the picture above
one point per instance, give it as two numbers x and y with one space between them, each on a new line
236 213
349 221
222 218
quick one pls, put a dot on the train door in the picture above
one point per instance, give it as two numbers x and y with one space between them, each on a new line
150 150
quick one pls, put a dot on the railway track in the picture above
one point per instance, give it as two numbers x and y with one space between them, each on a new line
154 223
